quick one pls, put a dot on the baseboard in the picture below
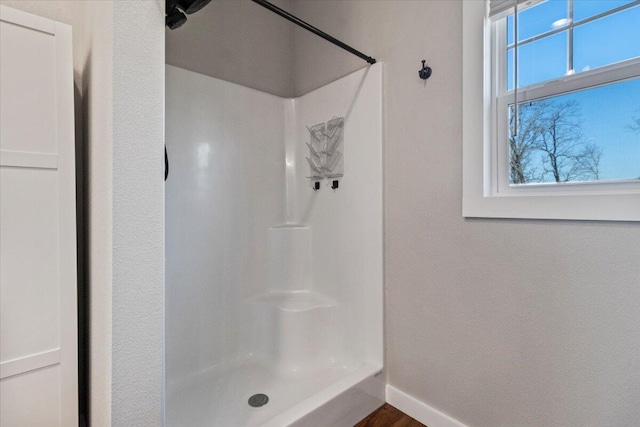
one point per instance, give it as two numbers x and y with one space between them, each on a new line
419 410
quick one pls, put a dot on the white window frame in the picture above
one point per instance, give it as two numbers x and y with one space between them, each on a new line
486 188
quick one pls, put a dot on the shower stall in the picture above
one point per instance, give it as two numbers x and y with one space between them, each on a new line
274 263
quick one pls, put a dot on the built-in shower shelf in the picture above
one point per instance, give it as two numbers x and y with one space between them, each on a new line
294 301
290 225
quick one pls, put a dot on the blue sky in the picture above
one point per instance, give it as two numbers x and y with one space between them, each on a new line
606 111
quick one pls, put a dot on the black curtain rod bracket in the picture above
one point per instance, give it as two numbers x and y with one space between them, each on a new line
299 22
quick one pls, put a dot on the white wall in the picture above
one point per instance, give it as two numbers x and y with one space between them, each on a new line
495 322
138 213
237 41
97 84
346 223
225 189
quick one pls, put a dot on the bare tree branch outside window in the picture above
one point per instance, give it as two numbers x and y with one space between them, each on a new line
522 147
550 146
635 124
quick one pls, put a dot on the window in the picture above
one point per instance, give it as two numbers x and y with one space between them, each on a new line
570 148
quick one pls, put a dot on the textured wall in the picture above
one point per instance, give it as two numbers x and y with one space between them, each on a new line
495 322
138 213
237 41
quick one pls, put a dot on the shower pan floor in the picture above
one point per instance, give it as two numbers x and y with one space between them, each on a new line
220 396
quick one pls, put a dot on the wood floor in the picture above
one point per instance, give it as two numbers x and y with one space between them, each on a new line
388 416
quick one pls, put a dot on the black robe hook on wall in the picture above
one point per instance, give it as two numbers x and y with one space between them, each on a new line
425 72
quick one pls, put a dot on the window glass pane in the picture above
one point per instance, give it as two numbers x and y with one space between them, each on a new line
591 135
583 9
538 61
539 19
607 40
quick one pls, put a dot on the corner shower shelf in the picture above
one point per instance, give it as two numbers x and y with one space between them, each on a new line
294 301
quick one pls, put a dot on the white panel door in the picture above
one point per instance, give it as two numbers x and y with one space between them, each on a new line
38 304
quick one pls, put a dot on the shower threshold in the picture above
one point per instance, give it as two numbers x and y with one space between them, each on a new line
219 398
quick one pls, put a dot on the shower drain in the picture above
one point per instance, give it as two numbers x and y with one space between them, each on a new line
258 400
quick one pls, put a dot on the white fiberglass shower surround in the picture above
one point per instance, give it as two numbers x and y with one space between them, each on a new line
273 288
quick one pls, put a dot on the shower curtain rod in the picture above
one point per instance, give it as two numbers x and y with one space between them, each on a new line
275 9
